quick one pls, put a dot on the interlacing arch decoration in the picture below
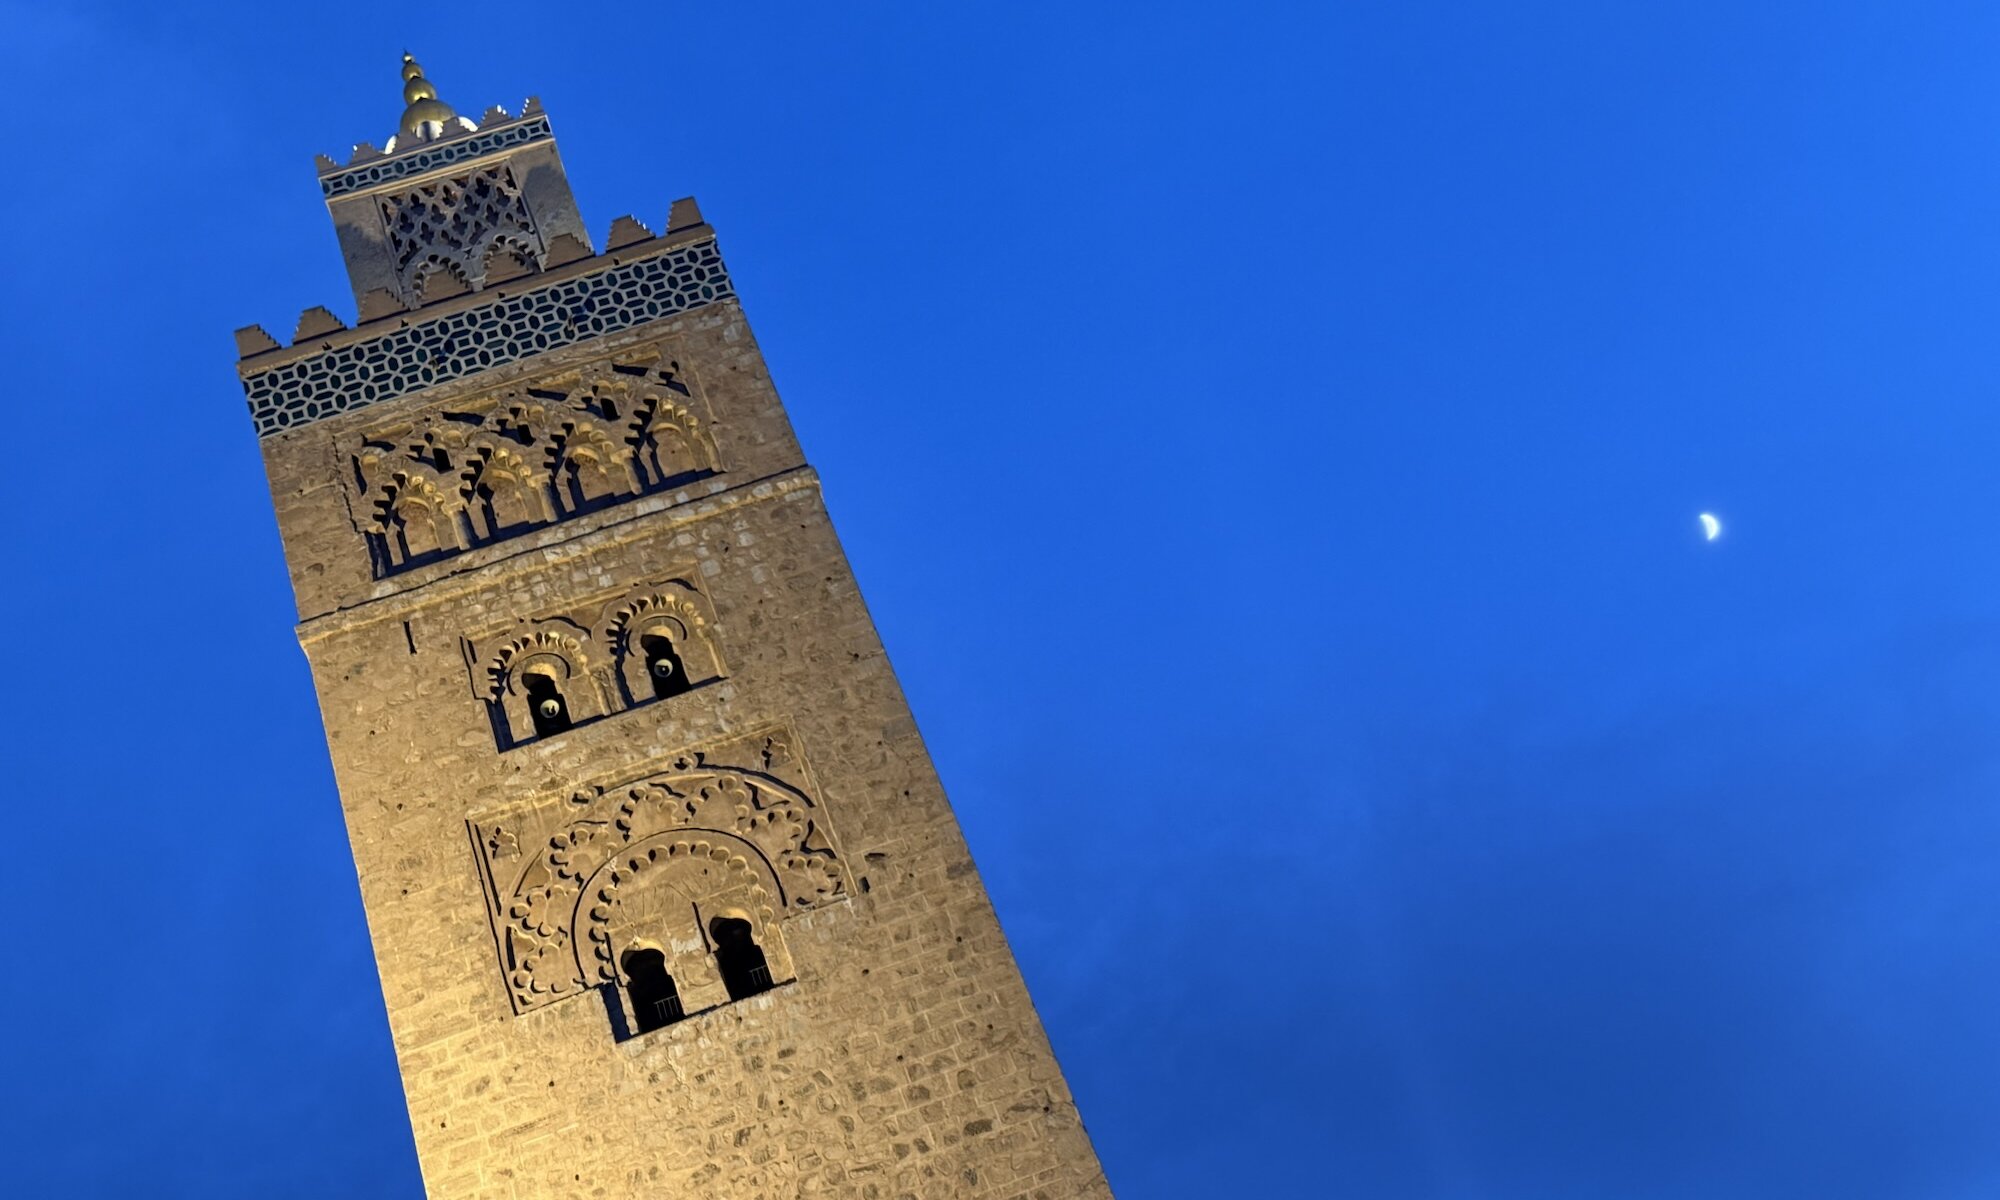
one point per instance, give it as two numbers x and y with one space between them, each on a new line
532 455
541 677
731 831
672 442
421 514
593 464
506 491
454 224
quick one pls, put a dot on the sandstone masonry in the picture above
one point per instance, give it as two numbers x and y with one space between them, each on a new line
665 896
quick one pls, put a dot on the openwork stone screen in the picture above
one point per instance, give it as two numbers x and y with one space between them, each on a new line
405 165
447 348
453 222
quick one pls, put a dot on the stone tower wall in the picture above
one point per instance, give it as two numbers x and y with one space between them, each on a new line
440 555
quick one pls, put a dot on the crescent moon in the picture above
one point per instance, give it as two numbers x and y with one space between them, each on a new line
1711 527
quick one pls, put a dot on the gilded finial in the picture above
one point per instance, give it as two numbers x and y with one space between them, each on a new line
425 116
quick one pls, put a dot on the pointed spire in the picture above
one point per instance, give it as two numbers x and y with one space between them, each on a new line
425 116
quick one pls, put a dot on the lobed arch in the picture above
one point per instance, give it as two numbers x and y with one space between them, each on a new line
664 891
515 680
591 465
418 516
619 865
675 610
508 256
434 277
504 492
673 443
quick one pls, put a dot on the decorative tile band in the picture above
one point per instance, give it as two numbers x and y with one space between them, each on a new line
506 137
438 351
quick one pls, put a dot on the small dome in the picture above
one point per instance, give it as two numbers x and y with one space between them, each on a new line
426 116
428 111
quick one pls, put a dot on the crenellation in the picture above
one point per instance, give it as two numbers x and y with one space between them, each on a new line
377 304
315 322
684 215
565 248
252 340
627 231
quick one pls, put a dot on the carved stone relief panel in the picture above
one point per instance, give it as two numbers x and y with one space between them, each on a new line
542 675
476 471
727 830
462 225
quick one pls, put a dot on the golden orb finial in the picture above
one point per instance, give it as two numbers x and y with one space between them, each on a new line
425 116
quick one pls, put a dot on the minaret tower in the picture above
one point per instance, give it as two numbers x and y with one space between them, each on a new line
665 896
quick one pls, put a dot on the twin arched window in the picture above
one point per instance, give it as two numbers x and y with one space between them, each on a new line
655 1000
554 673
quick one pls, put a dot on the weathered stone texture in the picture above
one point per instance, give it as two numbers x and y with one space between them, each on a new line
904 1060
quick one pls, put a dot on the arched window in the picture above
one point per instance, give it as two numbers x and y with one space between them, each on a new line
414 526
546 705
589 480
504 500
739 958
663 665
655 1000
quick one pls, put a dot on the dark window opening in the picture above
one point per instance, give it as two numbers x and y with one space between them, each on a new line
655 1000
663 666
739 958
546 705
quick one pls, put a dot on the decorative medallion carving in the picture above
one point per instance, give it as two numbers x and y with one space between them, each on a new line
730 829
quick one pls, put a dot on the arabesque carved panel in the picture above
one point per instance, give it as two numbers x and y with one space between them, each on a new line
567 881
456 223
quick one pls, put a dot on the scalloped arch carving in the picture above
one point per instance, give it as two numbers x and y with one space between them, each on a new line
726 830
662 892
554 649
533 454
604 667
674 609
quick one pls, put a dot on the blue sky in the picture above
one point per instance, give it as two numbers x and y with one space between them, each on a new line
1270 440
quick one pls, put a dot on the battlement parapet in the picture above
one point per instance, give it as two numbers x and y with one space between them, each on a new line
332 370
